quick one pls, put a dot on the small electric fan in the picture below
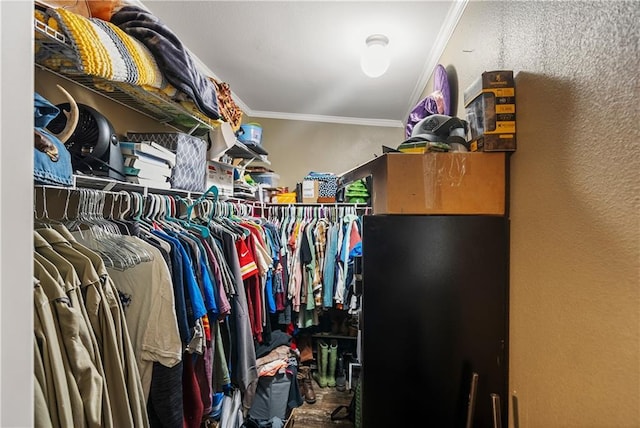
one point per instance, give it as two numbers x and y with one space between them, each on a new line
94 146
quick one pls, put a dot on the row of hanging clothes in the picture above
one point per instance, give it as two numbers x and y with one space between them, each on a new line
149 308
320 244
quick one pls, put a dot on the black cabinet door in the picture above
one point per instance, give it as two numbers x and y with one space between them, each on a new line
435 311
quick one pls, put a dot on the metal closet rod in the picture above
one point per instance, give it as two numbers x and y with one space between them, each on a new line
318 204
194 195
66 192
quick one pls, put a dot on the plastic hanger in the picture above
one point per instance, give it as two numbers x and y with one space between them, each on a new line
121 250
219 218
203 230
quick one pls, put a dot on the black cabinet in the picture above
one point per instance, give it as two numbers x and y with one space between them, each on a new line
435 311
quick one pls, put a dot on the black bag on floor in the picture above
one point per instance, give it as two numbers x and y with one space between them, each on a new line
345 412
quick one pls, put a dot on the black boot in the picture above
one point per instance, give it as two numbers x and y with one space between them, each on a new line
341 379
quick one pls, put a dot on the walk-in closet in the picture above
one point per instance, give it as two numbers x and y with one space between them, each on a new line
302 259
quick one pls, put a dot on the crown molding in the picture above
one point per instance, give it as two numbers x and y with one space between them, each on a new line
454 15
326 119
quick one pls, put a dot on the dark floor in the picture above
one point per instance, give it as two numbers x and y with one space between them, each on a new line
318 414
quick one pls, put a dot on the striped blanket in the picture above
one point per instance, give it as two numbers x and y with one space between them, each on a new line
135 48
104 50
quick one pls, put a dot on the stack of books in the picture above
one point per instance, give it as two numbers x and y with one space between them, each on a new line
148 163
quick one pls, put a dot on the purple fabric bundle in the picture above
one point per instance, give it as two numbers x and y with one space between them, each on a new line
438 102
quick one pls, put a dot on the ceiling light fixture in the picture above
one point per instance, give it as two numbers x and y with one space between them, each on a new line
375 58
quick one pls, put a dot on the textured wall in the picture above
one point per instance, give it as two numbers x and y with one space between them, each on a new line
575 211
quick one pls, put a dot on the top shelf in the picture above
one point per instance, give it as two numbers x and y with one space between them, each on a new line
53 48
159 108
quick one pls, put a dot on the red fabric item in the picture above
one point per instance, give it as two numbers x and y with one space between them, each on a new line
248 265
204 374
354 236
254 303
254 295
290 329
191 399
280 295
207 328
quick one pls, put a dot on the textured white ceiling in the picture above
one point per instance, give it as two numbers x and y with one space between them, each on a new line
300 59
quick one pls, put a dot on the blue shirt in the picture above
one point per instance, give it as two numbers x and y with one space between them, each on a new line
195 307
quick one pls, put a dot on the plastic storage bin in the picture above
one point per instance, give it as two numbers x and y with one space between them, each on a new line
251 133
271 179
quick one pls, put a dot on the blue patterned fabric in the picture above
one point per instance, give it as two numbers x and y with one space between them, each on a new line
327 183
48 170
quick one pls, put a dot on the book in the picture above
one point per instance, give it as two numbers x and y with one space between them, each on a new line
133 168
140 160
157 184
149 174
148 148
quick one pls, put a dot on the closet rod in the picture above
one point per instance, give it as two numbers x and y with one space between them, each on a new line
66 193
317 204
70 189
117 187
81 182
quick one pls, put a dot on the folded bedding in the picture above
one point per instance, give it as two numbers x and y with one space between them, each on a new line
103 50
173 59
229 110
130 50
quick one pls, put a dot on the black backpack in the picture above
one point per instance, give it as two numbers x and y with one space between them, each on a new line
345 412
350 412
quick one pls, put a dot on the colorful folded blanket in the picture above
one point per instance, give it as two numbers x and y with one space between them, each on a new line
136 49
104 50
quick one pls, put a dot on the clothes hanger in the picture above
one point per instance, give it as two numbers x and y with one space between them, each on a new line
92 236
44 220
207 211
220 218
48 223
118 219
122 252
168 218
127 247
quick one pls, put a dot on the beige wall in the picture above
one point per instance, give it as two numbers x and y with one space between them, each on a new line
575 212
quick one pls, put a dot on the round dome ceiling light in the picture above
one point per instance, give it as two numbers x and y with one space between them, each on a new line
375 58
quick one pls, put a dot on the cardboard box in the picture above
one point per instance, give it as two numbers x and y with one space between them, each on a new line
490 107
310 191
220 175
436 183
327 183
